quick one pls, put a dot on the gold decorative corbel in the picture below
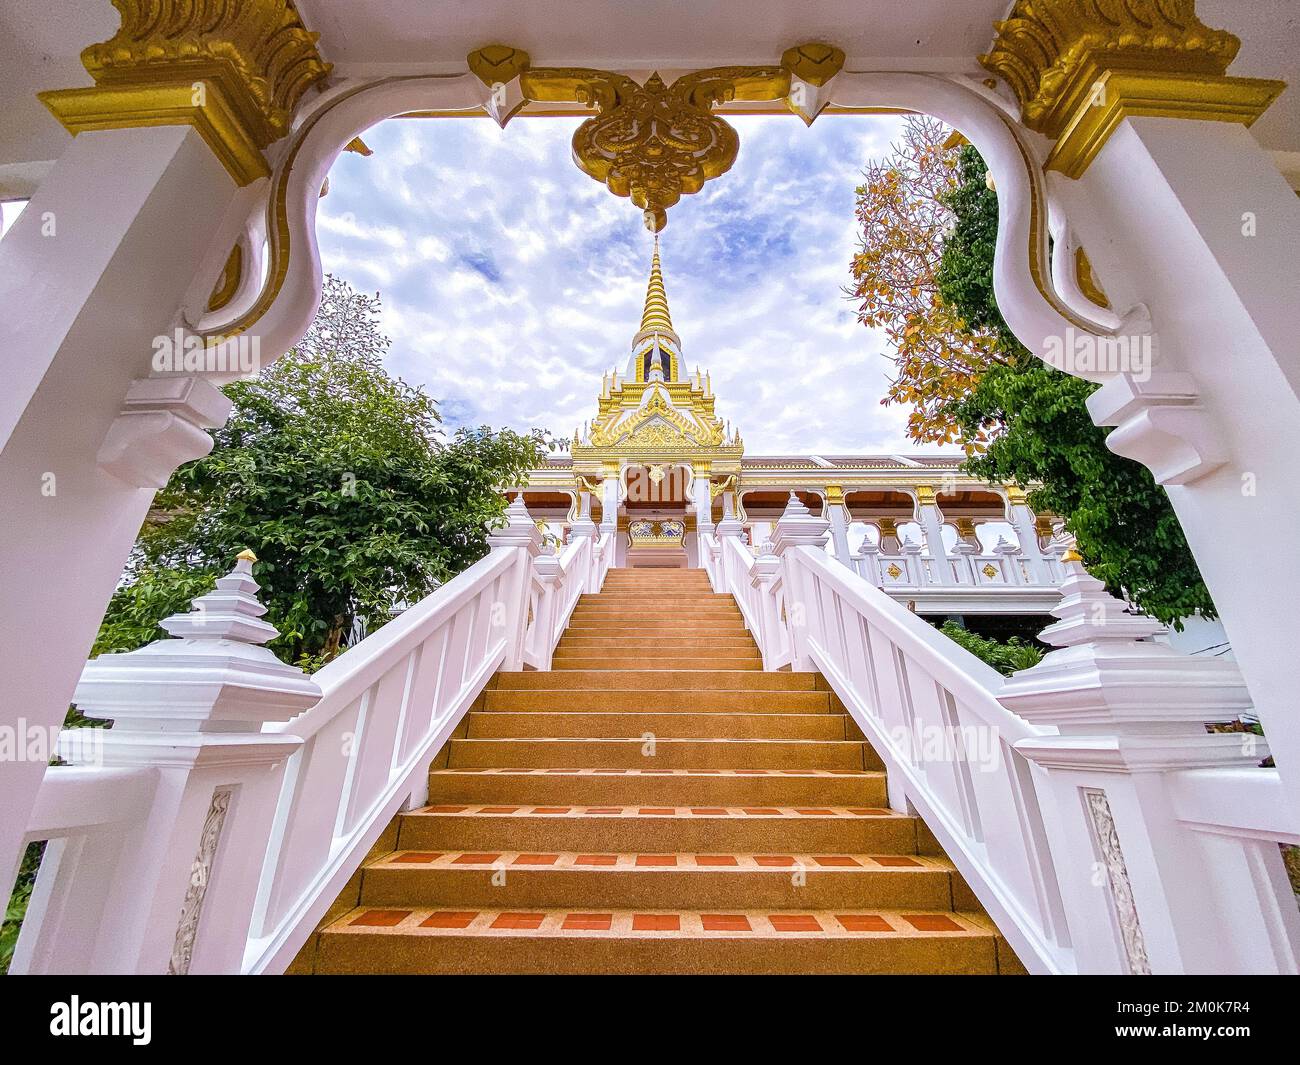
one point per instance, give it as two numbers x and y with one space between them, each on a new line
1080 67
235 72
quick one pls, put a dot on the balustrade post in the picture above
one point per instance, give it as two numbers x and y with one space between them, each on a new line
870 558
964 561
911 552
1143 893
182 894
521 535
798 528
1010 554
548 572
763 575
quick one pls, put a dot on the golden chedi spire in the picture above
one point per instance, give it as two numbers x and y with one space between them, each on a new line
656 321
656 316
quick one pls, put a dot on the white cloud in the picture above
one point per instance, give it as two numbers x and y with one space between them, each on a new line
511 281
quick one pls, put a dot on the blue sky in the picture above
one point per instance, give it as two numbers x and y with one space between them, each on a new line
511 281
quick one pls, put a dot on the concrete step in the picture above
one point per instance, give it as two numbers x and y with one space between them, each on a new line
614 663
695 881
466 940
669 700
660 680
677 645
770 726
538 753
650 631
658 830
685 788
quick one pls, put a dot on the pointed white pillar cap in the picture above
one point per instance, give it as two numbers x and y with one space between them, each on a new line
1108 675
519 530
212 677
798 527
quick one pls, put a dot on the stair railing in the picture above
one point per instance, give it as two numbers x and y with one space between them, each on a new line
1082 800
558 580
217 821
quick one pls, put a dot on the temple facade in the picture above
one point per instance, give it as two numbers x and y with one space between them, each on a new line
658 467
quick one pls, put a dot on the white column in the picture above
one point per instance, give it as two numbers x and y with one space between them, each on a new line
838 515
1194 220
1022 520
180 896
932 525
609 502
1136 883
93 270
703 496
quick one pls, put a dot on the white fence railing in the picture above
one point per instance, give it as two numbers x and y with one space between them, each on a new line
234 796
1083 800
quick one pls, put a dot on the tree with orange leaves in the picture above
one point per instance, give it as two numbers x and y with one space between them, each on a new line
903 218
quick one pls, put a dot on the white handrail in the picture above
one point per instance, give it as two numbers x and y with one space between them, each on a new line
389 704
930 710
279 783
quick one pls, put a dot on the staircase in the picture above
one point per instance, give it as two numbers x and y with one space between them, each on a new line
657 804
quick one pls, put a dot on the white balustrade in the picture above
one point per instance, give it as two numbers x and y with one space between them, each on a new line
237 795
1013 801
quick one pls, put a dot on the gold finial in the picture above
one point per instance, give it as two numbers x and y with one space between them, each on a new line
246 555
1072 556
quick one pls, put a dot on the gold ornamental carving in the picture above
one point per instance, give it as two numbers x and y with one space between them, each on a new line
1080 67
654 142
233 70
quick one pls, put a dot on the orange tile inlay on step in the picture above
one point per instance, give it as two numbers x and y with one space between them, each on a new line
590 922
794 922
725 922
382 918
449 919
863 922
931 922
656 922
527 921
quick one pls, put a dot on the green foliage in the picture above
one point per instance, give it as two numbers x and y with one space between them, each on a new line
16 907
1006 658
1040 432
340 480
137 607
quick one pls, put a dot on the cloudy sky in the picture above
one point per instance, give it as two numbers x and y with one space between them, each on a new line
511 281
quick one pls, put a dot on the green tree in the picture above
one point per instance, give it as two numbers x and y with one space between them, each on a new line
340 480
1039 431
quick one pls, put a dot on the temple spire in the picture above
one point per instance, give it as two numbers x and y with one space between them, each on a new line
656 316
